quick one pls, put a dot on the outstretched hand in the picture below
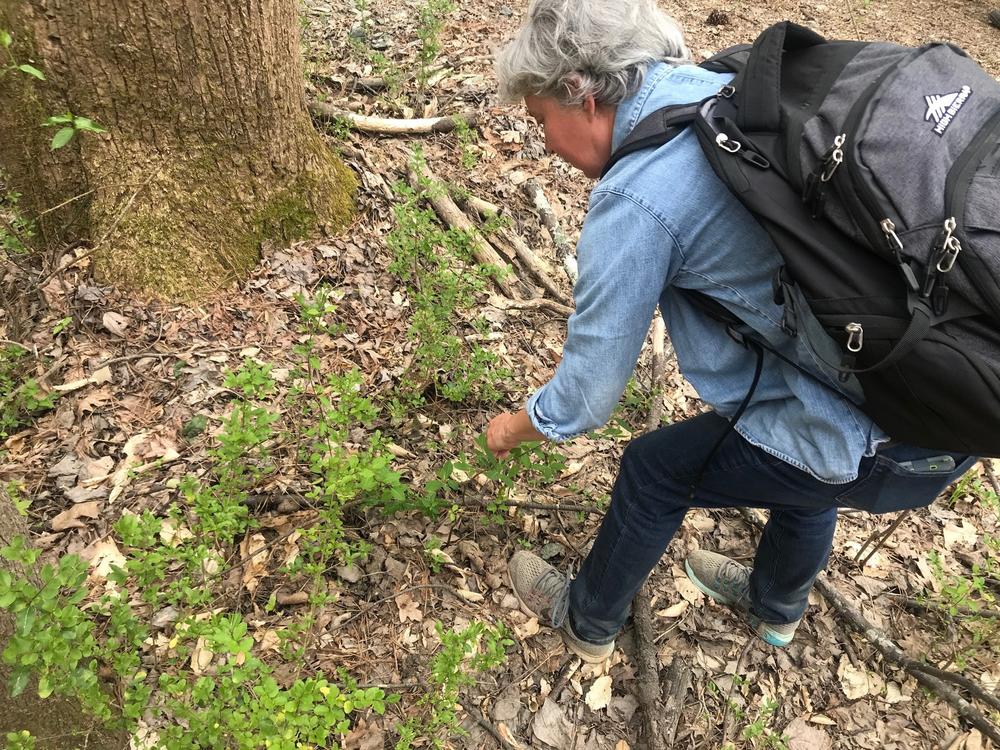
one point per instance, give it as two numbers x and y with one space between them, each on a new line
507 431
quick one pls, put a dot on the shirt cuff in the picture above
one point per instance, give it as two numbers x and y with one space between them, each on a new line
542 423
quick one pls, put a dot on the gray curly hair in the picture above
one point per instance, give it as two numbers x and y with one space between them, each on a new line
569 49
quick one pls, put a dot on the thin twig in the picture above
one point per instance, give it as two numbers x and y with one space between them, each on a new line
486 724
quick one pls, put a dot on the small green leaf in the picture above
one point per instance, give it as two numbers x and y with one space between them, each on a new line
44 687
31 70
85 123
66 119
19 682
61 138
5 38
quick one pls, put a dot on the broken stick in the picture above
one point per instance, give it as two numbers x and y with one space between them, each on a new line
647 660
565 251
423 180
534 264
659 334
391 126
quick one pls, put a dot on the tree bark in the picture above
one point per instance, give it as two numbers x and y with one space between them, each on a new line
209 150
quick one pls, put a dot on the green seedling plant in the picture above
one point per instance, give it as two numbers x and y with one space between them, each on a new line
217 693
16 232
430 23
442 279
21 397
464 656
12 65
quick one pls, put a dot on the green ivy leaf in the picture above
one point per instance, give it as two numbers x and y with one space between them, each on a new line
61 138
19 682
31 70
5 38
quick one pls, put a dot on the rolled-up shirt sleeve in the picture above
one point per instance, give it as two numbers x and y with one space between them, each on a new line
626 256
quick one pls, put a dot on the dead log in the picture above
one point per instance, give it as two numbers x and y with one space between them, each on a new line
565 251
390 126
647 661
423 180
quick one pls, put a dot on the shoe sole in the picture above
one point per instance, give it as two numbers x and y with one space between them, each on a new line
587 657
761 629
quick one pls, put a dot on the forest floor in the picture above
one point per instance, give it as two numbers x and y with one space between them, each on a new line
144 396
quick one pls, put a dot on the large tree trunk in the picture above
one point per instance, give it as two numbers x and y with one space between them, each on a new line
209 149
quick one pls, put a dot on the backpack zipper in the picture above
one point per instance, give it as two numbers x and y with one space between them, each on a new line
857 195
956 190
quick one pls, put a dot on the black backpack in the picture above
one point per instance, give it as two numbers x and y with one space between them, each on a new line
875 169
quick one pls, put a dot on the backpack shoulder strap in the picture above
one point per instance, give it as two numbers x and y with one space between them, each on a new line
730 60
665 124
655 129
760 85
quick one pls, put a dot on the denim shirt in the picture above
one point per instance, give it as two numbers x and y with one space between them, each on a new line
660 220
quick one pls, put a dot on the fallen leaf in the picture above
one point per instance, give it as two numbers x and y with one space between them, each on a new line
201 657
115 323
528 629
685 588
408 609
505 732
70 518
599 695
894 693
254 560
965 535
470 596
103 556
621 745
675 610
800 736
551 726
853 680
123 475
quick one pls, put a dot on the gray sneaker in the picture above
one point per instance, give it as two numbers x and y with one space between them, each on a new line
544 593
728 582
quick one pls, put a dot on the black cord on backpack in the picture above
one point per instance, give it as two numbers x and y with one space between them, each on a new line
732 422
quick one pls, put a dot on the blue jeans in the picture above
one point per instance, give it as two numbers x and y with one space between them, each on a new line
651 496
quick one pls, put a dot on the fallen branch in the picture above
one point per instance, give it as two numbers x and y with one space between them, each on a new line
934 679
922 672
390 126
648 686
676 682
565 251
538 268
485 209
486 724
531 304
423 180
659 334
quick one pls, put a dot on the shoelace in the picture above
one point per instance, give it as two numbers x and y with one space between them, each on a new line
555 585
733 580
